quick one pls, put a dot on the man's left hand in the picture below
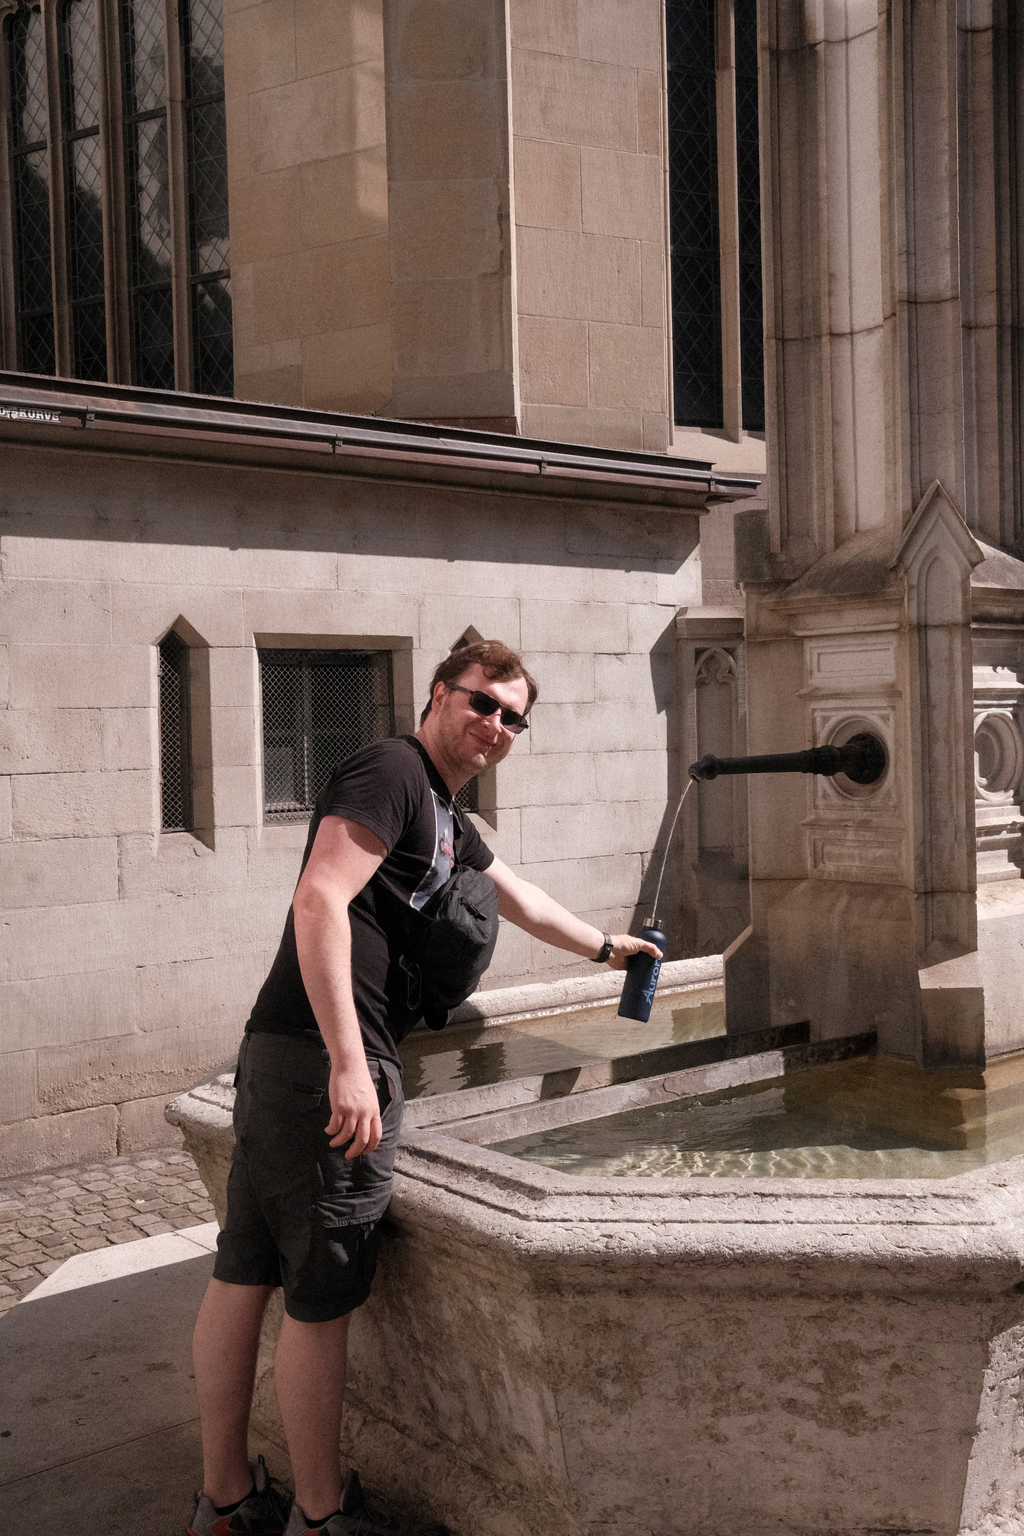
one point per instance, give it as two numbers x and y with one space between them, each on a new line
626 944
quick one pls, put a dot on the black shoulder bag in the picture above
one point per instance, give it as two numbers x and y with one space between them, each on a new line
453 945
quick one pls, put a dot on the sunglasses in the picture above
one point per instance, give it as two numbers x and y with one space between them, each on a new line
485 705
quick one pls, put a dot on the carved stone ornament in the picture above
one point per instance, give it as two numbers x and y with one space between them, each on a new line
716 666
998 755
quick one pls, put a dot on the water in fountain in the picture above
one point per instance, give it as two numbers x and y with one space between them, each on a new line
860 1119
470 1057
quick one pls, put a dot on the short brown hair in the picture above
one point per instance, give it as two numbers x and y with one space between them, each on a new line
498 660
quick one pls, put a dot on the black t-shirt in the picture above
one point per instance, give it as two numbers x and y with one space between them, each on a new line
393 788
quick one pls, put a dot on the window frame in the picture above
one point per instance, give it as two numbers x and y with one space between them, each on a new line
109 16
733 254
174 652
274 813
8 234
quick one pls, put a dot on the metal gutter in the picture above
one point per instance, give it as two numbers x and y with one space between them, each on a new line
26 400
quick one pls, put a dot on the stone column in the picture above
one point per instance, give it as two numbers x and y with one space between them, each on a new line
527 217
857 579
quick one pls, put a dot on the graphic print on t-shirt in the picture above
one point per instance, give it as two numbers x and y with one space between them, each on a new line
444 855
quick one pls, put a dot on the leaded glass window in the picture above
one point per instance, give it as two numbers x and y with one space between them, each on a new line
693 212
748 179
133 169
715 214
147 192
318 707
202 37
83 187
30 185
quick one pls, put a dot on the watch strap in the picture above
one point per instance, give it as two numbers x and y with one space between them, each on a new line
605 950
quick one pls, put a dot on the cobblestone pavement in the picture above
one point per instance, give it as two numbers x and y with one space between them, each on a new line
46 1217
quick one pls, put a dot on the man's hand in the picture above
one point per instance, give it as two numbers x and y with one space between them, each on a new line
355 1111
626 944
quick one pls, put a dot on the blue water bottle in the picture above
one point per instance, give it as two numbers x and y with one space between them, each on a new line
642 973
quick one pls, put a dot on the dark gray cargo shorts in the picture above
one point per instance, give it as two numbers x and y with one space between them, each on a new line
299 1214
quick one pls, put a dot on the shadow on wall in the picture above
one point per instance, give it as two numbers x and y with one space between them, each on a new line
238 508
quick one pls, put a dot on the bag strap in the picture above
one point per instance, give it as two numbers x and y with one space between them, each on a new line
424 758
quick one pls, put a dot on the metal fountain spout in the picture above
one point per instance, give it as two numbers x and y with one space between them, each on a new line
863 759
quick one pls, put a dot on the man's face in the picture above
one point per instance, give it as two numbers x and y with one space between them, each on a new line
470 741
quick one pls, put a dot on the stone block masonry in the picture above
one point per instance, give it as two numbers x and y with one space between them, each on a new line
47 1217
130 953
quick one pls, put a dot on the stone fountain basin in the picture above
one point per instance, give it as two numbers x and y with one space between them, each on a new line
730 1357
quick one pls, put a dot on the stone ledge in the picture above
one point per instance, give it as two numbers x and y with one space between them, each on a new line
535 999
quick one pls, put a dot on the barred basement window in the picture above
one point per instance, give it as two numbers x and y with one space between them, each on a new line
468 797
715 214
175 736
118 161
318 707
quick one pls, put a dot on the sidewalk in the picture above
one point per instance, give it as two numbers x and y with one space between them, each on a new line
99 1434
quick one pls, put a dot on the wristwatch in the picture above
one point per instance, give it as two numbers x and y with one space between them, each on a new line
605 950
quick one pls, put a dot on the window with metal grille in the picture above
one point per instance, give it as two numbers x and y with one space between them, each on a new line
117 134
318 707
715 214
30 192
175 736
468 797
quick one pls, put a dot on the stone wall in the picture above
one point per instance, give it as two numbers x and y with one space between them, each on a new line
130 958
453 210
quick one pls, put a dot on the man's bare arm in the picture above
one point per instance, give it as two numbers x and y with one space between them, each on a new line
343 858
531 908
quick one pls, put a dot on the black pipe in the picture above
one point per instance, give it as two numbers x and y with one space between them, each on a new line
863 759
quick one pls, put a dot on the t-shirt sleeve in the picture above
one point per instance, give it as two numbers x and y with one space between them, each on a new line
473 851
379 788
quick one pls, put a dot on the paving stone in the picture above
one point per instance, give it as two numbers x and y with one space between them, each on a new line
64 1252
34 1229
54 1240
47 1217
93 1241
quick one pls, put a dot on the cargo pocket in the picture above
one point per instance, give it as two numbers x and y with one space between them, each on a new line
340 1267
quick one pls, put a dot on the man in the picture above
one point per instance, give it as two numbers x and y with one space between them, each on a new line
305 1199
